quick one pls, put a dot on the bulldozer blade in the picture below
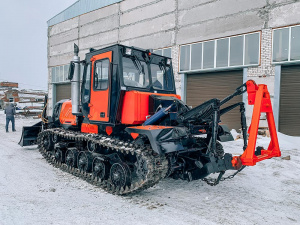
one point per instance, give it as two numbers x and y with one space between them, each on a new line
30 134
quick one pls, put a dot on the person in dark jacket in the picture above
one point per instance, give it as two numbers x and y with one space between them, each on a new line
10 112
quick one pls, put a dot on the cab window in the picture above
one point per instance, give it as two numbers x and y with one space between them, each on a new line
161 77
87 84
101 74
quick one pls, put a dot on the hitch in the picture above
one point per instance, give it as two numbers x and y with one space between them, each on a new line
258 95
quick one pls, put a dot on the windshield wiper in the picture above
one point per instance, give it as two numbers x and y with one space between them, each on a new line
138 65
162 67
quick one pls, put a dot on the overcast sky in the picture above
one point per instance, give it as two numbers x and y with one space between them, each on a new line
23 40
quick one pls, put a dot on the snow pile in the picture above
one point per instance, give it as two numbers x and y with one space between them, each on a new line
234 134
33 192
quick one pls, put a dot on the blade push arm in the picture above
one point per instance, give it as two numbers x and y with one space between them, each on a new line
237 92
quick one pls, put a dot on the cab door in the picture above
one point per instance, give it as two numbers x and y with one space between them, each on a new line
100 87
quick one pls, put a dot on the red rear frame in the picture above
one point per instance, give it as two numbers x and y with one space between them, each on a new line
258 95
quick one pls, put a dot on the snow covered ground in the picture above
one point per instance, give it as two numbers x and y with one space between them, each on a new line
33 192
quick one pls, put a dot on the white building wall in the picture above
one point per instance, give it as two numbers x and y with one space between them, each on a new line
170 23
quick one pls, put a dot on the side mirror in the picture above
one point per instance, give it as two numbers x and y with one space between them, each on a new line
71 71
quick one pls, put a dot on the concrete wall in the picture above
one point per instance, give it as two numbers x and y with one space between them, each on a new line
170 23
146 24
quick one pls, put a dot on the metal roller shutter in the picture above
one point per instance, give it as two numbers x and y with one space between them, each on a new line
204 86
289 112
63 91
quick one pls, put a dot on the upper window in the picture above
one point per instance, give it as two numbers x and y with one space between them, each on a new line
208 54
236 51
135 73
185 57
164 52
60 73
222 52
196 59
251 49
286 44
101 74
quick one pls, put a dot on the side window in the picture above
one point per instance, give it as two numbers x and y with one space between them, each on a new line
87 84
157 76
101 74
162 77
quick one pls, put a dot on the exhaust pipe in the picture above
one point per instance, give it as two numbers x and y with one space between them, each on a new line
75 83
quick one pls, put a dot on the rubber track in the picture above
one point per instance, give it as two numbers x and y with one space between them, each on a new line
157 165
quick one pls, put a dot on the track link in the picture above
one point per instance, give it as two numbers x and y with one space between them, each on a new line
157 166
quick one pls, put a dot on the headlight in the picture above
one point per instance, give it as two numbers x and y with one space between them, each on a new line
168 62
128 51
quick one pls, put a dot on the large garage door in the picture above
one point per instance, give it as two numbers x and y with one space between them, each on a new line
63 91
204 86
289 113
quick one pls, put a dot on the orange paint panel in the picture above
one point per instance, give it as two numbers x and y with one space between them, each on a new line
99 98
136 106
89 128
66 116
109 130
134 135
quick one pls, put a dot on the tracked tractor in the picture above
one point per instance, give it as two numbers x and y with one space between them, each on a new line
125 128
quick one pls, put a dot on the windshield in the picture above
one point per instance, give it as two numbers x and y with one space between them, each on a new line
135 73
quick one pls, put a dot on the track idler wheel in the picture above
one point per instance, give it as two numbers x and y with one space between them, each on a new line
91 146
71 157
142 168
55 138
99 168
59 155
120 175
47 142
84 161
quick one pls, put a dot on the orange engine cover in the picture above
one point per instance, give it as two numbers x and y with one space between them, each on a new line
136 106
66 116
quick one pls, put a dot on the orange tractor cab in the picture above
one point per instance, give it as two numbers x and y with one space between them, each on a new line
126 128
